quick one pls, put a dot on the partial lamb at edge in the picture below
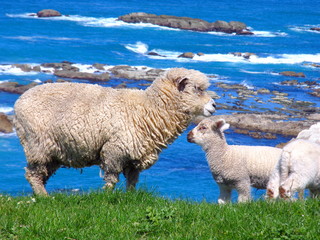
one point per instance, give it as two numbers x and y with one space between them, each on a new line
234 166
121 130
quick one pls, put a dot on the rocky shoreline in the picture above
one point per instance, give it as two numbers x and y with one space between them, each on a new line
258 123
187 23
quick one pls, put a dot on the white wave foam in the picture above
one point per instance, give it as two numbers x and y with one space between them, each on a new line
305 28
253 72
138 47
6 109
254 59
36 38
12 70
269 34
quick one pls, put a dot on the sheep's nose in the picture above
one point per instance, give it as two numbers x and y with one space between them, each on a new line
214 103
190 137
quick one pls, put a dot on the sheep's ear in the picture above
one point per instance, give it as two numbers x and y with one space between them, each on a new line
222 125
182 83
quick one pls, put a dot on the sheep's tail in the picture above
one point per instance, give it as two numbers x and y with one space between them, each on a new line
285 165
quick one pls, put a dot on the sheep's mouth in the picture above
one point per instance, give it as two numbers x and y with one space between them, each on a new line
190 137
209 108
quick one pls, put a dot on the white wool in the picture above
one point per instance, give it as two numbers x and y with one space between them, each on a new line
298 169
121 130
234 166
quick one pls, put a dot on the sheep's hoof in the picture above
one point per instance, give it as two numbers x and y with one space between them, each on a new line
270 194
108 186
282 193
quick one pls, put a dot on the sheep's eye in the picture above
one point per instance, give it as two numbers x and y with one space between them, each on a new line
199 90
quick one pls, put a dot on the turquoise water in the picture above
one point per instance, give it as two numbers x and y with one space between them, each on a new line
90 34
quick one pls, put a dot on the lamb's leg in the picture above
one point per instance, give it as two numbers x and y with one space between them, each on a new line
292 184
225 194
244 191
38 175
132 176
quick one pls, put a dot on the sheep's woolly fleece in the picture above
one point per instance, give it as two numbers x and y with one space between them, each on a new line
122 130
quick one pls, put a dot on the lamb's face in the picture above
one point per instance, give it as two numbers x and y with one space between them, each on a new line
206 131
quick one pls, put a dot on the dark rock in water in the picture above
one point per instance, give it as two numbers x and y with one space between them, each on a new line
82 75
292 74
14 87
186 55
185 23
66 66
99 66
48 13
5 124
315 29
155 54
316 93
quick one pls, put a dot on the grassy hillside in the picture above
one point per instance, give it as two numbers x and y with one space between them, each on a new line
142 215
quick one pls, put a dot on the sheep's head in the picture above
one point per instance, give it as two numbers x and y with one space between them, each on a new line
190 88
207 130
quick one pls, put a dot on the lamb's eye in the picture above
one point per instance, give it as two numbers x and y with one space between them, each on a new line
201 128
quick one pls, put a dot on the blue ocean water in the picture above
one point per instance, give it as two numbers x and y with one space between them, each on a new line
90 34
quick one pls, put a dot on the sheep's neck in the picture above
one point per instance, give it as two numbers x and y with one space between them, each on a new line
166 105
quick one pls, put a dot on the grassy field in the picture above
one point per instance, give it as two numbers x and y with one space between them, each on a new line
143 215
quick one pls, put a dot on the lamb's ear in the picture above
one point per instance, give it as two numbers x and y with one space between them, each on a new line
222 125
182 83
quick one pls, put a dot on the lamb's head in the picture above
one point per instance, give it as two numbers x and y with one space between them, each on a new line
208 130
189 87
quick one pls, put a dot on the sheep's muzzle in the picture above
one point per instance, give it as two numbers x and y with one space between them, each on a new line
190 137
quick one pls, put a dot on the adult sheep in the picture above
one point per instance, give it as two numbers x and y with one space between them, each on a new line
121 130
234 166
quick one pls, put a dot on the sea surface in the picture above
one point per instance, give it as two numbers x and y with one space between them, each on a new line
90 34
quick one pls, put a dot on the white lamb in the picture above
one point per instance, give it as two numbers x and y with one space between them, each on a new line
300 168
121 130
234 166
294 172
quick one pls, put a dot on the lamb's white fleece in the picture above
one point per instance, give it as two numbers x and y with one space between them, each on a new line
298 149
234 166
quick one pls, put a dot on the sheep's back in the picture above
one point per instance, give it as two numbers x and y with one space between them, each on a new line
63 119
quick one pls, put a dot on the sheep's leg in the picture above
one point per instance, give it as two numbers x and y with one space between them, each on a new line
315 193
225 194
244 192
132 176
111 165
38 175
291 185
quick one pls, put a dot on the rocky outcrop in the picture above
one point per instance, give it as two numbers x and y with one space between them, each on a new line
292 74
82 75
5 124
264 123
315 29
187 23
134 73
48 13
14 87
187 55
245 55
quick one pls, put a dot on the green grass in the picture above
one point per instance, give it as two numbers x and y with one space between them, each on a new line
142 215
